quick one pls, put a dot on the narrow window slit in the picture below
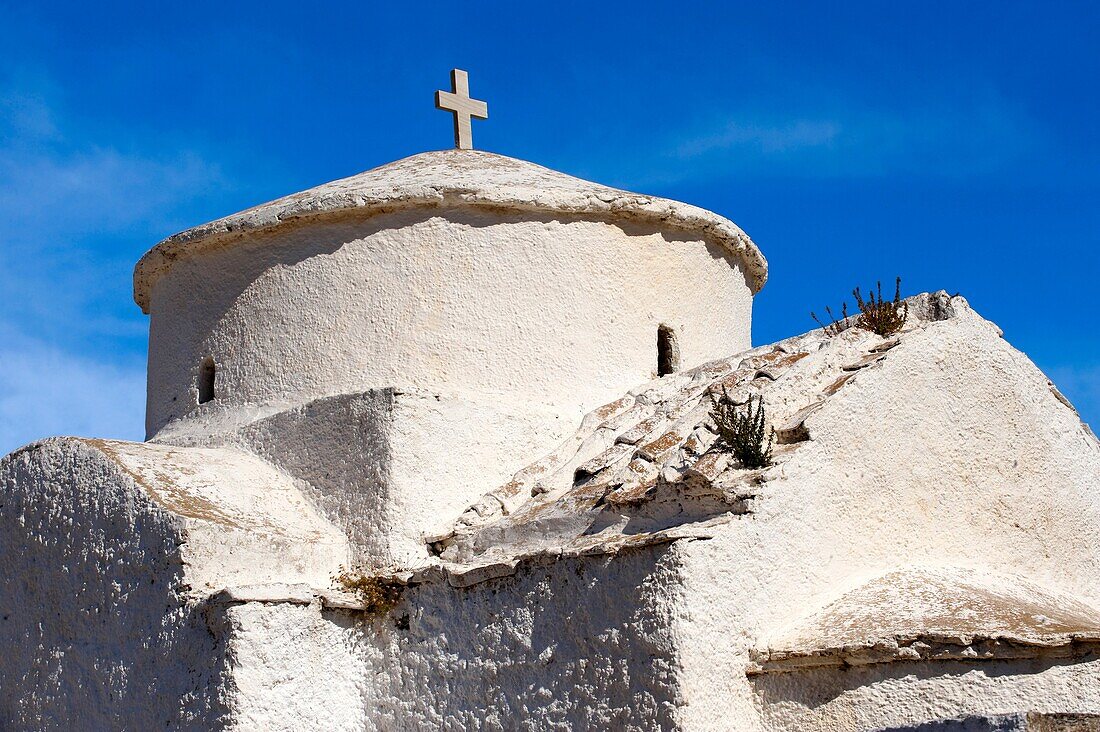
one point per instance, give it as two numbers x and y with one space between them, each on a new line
207 373
668 351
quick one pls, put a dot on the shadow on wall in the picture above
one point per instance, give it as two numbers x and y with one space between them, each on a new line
1029 722
585 643
216 284
295 242
95 629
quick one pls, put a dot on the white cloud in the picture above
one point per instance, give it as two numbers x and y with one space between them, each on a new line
26 116
56 184
45 191
73 217
45 391
766 139
938 138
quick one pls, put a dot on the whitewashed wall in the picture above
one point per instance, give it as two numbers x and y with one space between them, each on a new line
955 452
557 312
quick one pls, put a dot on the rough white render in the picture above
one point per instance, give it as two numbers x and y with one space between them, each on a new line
574 549
953 450
448 178
537 313
585 644
110 551
389 466
622 602
495 326
940 447
945 613
507 280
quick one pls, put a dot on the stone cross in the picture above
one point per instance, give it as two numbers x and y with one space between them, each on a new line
458 102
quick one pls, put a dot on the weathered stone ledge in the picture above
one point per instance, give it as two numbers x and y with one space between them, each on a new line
930 647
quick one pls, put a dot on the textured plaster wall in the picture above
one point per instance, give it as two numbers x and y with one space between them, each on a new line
287 668
95 629
107 624
389 466
584 644
109 552
544 312
955 452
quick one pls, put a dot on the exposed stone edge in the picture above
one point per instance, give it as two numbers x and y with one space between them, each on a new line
1009 722
286 594
927 307
458 576
374 201
296 594
927 647
468 575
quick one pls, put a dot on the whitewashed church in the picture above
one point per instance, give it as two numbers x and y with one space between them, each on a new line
431 448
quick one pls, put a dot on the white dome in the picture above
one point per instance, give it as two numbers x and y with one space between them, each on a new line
452 178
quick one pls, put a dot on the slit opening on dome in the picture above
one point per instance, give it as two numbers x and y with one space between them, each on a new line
668 351
207 374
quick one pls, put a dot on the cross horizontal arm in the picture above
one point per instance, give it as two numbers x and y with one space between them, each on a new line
463 105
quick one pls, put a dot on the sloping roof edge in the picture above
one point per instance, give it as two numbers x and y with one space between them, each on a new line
451 178
934 614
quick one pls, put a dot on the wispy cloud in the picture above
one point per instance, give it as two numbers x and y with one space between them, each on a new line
46 391
848 138
74 215
25 116
52 185
766 139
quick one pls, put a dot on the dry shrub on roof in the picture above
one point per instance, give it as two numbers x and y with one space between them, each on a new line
742 430
835 326
882 316
876 314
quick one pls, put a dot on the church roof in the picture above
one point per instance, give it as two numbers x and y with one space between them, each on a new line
645 470
451 178
610 485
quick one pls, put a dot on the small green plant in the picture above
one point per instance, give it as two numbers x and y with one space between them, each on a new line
881 316
379 595
742 430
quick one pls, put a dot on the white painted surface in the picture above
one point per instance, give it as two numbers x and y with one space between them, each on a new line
495 300
532 312
581 645
506 357
943 613
948 448
878 697
388 354
387 466
109 550
449 179
952 451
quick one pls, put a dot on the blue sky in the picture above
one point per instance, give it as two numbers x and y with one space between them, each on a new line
954 144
